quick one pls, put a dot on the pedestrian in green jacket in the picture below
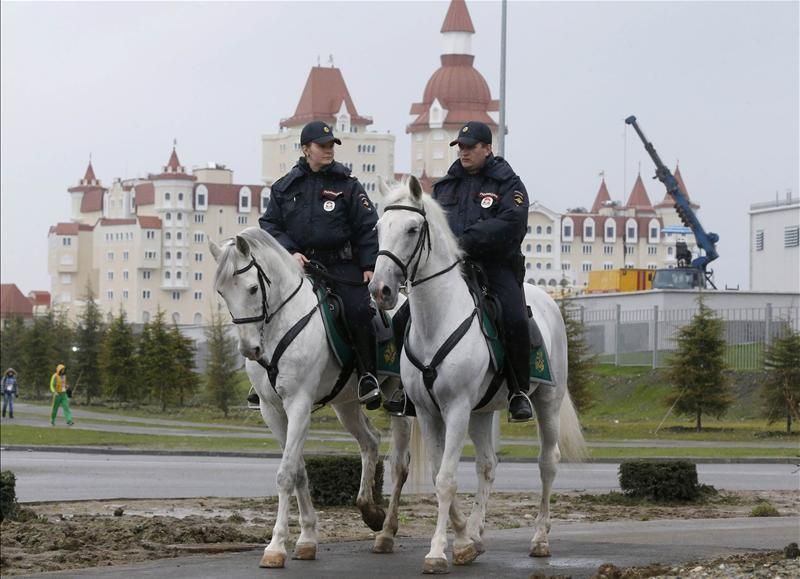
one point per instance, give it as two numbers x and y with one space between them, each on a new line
58 386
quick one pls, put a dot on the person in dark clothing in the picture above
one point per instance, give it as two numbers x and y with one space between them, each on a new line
318 211
487 209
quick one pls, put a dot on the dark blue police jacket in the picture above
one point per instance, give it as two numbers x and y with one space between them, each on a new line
322 211
487 211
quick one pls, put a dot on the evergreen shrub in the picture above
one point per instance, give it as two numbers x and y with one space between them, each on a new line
660 480
8 495
334 480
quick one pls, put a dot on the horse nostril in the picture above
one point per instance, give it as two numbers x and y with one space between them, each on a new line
386 292
257 352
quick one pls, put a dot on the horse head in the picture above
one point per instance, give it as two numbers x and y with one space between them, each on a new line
243 281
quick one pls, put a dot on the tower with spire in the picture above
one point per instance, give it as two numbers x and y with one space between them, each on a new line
455 93
325 97
87 197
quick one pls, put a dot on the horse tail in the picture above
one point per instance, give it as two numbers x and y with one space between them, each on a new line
570 438
420 471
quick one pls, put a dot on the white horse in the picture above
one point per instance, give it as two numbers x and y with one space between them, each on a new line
270 299
418 248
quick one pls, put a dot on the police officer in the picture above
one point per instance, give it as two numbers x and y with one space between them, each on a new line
487 209
318 211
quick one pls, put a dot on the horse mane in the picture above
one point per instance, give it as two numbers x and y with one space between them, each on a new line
401 195
265 248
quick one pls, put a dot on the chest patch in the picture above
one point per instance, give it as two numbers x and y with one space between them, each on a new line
329 205
487 199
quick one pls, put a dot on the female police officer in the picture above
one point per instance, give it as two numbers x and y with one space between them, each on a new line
318 211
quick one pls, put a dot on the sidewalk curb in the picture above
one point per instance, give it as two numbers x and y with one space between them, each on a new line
201 453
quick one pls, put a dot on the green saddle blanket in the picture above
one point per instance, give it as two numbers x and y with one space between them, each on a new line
540 361
388 358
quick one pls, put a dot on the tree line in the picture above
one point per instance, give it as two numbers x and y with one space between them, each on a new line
108 360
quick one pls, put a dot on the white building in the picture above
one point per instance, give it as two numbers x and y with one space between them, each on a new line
775 245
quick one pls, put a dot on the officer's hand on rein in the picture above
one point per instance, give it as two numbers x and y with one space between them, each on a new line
301 259
367 276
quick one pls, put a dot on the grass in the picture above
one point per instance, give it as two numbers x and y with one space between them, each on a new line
737 357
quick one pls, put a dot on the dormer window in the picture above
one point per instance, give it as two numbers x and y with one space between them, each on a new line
630 230
264 199
610 231
244 200
588 229
654 231
567 228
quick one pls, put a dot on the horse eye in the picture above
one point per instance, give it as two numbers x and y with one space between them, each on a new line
412 230
253 290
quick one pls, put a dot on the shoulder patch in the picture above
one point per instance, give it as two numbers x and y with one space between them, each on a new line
518 197
362 197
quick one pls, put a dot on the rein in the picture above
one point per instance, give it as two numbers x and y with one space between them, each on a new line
262 279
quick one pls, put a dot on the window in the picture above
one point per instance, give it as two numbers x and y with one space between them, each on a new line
586 267
110 276
548 248
566 266
125 255
166 197
670 251
168 236
146 275
110 294
631 233
110 256
244 199
652 250
179 255
608 250
179 275
167 275
145 317
549 230
176 296
179 216
588 229
145 294
548 265
199 218
538 265
150 234
566 248
538 248
167 255
587 249
528 247
653 233
198 319
66 260
66 278
527 266
538 230
566 229
198 295
150 255
198 276
630 249
198 257
791 236
265 197
179 236
180 196
607 265
243 220
124 294
199 237
529 229
66 241
631 230
168 217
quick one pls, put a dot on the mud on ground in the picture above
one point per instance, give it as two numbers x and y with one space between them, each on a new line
73 535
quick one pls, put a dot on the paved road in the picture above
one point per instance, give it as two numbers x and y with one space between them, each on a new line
50 476
578 549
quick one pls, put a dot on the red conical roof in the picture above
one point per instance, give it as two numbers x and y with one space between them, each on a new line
89 178
173 165
322 98
639 198
458 18
601 197
668 201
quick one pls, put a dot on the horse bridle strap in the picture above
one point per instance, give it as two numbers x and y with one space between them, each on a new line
272 366
429 373
424 235
262 280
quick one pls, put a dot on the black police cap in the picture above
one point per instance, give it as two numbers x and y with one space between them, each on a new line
318 132
473 132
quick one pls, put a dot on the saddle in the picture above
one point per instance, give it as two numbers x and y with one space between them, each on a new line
338 334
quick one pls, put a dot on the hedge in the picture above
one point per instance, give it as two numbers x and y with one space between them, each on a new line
660 480
8 495
334 480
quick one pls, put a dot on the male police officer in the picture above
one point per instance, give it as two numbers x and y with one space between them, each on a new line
487 209
318 211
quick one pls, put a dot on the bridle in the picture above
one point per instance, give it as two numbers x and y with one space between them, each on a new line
423 240
263 282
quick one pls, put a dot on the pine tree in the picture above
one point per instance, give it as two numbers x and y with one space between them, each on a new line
156 361
579 359
41 355
89 335
696 370
781 391
185 379
12 339
223 360
117 360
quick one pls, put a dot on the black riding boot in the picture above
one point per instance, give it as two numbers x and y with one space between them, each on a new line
366 352
399 404
518 363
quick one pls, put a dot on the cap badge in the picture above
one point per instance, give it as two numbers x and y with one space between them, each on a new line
326 130
465 129
329 205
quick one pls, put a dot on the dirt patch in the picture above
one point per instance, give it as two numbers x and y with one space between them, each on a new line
84 534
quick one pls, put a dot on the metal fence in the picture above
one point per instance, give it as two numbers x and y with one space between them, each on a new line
648 337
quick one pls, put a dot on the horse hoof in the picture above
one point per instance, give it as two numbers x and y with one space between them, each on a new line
305 551
479 547
273 560
435 566
374 517
540 550
383 545
465 555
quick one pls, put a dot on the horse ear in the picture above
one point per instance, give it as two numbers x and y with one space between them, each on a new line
383 186
214 248
242 245
415 187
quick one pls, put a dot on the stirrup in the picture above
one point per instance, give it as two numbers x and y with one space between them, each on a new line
399 404
511 418
375 392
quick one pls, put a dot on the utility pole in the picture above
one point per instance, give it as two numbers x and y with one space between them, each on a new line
501 136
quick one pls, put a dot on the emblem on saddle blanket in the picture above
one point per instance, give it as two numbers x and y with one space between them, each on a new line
540 361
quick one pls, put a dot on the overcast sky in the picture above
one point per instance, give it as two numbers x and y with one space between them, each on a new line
714 85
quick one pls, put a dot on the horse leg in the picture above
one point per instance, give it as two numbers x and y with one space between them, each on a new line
297 423
482 434
368 438
399 460
547 407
